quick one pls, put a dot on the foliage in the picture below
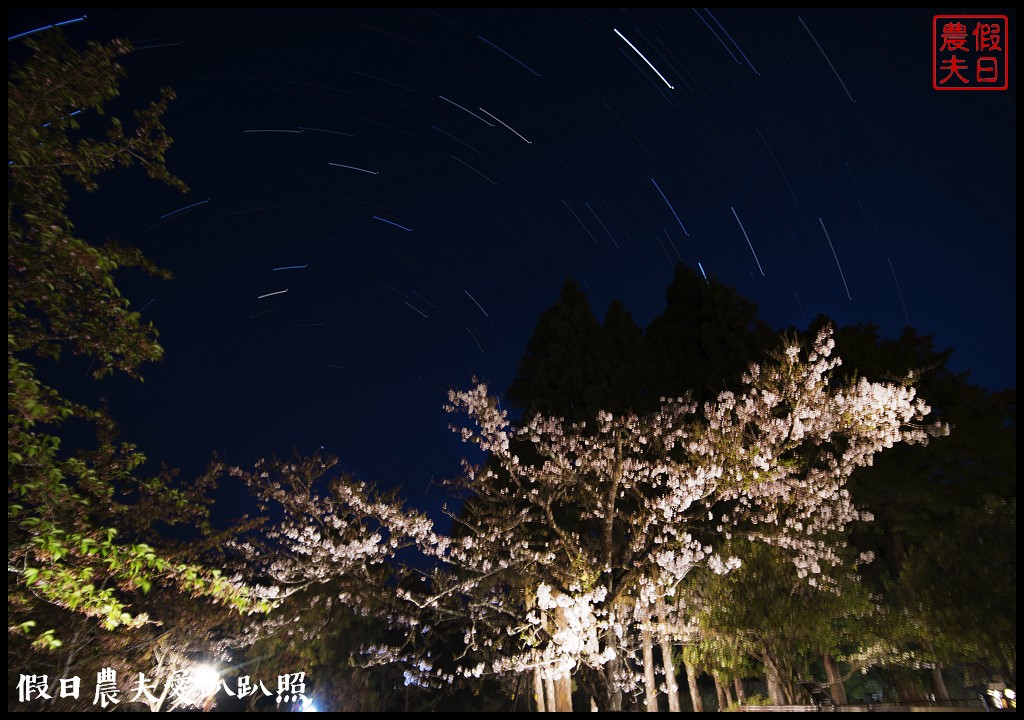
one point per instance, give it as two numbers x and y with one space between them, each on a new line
61 290
177 637
81 521
944 539
768 613
954 601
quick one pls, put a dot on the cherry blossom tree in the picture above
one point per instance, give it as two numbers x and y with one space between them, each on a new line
562 552
330 527
329 544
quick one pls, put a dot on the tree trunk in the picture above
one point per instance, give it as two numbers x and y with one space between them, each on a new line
549 688
667 660
650 683
723 701
741 696
563 680
538 686
907 687
613 667
897 548
835 680
775 693
938 682
563 689
730 698
691 681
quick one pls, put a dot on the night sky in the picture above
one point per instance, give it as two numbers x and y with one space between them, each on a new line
422 183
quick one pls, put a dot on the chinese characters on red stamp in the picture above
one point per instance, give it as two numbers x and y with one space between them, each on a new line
969 52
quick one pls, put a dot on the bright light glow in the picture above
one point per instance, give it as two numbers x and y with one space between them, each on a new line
307 705
205 678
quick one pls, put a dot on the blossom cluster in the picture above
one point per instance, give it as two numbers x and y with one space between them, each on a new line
626 507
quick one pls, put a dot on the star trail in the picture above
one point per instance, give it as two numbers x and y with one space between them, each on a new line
479 158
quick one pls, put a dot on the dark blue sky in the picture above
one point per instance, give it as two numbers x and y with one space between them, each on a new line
439 174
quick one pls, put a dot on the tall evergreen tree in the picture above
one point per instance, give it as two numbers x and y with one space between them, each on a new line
704 339
701 342
627 384
561 371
